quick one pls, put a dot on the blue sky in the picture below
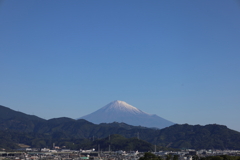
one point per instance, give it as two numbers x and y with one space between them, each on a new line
177 59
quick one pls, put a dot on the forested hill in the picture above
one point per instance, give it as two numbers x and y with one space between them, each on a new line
211 136
7 113
44 132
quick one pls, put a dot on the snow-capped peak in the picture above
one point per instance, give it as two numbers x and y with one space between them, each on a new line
121 106
120 111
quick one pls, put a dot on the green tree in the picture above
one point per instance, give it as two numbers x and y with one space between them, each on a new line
227 157
195 157
217 158
169 157
150 156
175 157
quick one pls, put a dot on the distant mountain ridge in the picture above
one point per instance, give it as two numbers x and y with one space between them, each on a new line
7 113
18 121
120 111
17 127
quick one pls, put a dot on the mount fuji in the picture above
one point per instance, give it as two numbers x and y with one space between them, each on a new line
120 111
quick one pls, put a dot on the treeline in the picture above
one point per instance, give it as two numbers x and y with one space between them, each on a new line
11 139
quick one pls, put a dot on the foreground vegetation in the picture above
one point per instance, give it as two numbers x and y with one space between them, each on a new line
221 157
151 156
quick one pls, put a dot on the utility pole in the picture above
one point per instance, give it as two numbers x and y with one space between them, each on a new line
98 150
109 144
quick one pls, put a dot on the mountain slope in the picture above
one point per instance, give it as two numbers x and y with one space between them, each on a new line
7 113
18 127
18 121
119 111
176 136
212 136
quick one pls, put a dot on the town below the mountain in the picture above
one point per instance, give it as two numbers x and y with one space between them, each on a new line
67 154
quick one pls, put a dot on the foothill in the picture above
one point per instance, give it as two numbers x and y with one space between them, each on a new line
28 137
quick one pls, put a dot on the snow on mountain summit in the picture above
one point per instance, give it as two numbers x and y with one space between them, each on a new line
120 111
121 106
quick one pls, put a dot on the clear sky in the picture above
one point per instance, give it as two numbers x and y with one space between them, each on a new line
177 59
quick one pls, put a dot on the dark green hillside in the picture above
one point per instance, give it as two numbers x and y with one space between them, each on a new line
10 139
42 132
121 125
67 126
209 137
83 129
116 142
10 119
7 113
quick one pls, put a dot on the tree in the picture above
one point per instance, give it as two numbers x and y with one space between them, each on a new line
195 157
150 156
169 157
175 157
